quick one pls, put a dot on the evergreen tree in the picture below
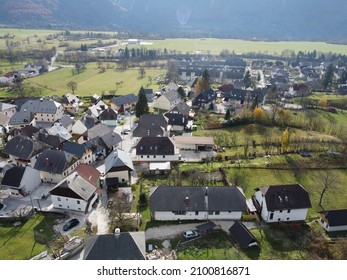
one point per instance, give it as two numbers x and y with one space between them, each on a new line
328 76
181 92
126 53
142 104
227 115
206 76
247 79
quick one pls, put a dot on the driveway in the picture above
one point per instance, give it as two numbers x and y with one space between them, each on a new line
168 232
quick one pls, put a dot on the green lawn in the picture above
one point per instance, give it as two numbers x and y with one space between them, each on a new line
91 81
18 243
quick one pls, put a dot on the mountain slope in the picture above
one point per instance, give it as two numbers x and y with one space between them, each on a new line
261 19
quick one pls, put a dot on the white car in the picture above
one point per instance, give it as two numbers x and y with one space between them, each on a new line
190 234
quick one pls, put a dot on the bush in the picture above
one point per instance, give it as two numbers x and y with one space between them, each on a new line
143 199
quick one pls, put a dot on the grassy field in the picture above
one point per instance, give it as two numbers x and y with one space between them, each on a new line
18 243
204 45
91 81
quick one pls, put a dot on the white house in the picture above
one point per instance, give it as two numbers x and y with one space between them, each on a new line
71 103
167 101
195 143
21 180
8 109
156 149
74 193
55 165
46 111
334 220
117 168
282 203
196 203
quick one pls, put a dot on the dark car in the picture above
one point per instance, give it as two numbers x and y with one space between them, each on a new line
70 224
305 153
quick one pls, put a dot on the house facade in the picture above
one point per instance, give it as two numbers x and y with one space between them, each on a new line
282 203
195 143
8 109
124 102
334 220
196 203
44 110
167 101
74 193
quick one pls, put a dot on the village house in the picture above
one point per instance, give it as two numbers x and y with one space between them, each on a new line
55 165
8 109
195 143
124 102
83 124
24 150
96 109
334 220
154 149
242 235
46 112
205 99
282 203
196 203
21 180
71 103
81 151
151 125
117 246
74 193
22 119
167 101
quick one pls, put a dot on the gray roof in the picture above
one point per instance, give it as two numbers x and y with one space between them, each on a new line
53 161
172 96
66 121
13 176
111 247
21 118
75 186
117 158
74 148
98 130
23 147
193 199
54 141
124 99
282 197
40 106
181 108
141 131
6 106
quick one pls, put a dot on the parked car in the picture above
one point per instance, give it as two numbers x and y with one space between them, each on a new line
70 224
190 234
305 153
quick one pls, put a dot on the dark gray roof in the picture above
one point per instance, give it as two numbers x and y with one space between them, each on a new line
13 176
108 114
24 147
74 148
282 197
177 119
55 141
111 247
205 97
181 108
155 146
21 118
52 161
111 139
124 99
336 217
242 235
19 102
40 106
151 125
193 199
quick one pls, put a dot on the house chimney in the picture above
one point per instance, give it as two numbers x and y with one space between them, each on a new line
117 232
186 202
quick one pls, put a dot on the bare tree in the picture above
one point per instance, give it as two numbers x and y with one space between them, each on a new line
328 179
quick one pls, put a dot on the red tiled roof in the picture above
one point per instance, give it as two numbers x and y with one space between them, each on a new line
88 173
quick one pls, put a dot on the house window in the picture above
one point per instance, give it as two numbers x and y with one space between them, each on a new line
78 202
154 156
123 180
217 213
279 219
287 219
59 199
60 205
210 212
79 208
67 199
163 156
288 210
141 156
196 213
271 215
147 156
179 212
280 211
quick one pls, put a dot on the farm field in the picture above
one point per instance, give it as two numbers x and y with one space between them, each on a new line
91 81
204 45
